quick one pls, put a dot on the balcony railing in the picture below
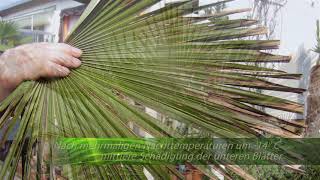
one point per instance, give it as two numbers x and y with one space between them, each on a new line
38 36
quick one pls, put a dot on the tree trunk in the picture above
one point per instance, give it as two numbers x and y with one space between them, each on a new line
313 107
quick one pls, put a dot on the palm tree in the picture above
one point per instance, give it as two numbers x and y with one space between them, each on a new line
183 66
10 35
312 109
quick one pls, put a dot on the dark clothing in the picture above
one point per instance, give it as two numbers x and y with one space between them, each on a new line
5 148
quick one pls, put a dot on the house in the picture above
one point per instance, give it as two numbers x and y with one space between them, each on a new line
68 18
44 20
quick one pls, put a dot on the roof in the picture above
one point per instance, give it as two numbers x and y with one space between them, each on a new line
83 1
20 5
75 11
12 3
25 4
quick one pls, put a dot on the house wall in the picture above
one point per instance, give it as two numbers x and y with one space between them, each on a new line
47 14
73 21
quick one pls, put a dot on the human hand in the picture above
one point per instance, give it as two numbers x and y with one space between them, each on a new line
32 61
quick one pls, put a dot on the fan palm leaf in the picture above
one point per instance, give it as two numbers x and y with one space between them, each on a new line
192 69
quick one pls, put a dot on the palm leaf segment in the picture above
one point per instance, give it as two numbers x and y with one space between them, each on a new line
196 73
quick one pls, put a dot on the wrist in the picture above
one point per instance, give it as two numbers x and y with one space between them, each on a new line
6 83
10 68
6 77
3 87
2 72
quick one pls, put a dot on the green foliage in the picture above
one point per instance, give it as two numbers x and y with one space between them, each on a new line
10 36
270 172
266 172
163 59
311 172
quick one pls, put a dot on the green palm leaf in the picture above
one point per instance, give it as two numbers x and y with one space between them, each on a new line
196 73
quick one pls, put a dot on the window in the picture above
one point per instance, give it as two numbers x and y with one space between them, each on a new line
35 24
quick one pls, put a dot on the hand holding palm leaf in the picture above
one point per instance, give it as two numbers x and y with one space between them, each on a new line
163 59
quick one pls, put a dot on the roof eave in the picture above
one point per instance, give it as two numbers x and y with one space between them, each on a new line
23 4
83 1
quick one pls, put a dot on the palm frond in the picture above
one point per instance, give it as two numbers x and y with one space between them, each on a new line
195 72
7 30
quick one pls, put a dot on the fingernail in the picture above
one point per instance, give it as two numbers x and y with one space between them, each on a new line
64 71
77 51
76 62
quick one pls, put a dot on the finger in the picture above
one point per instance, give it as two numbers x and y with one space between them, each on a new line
75 52
56 70
67 61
